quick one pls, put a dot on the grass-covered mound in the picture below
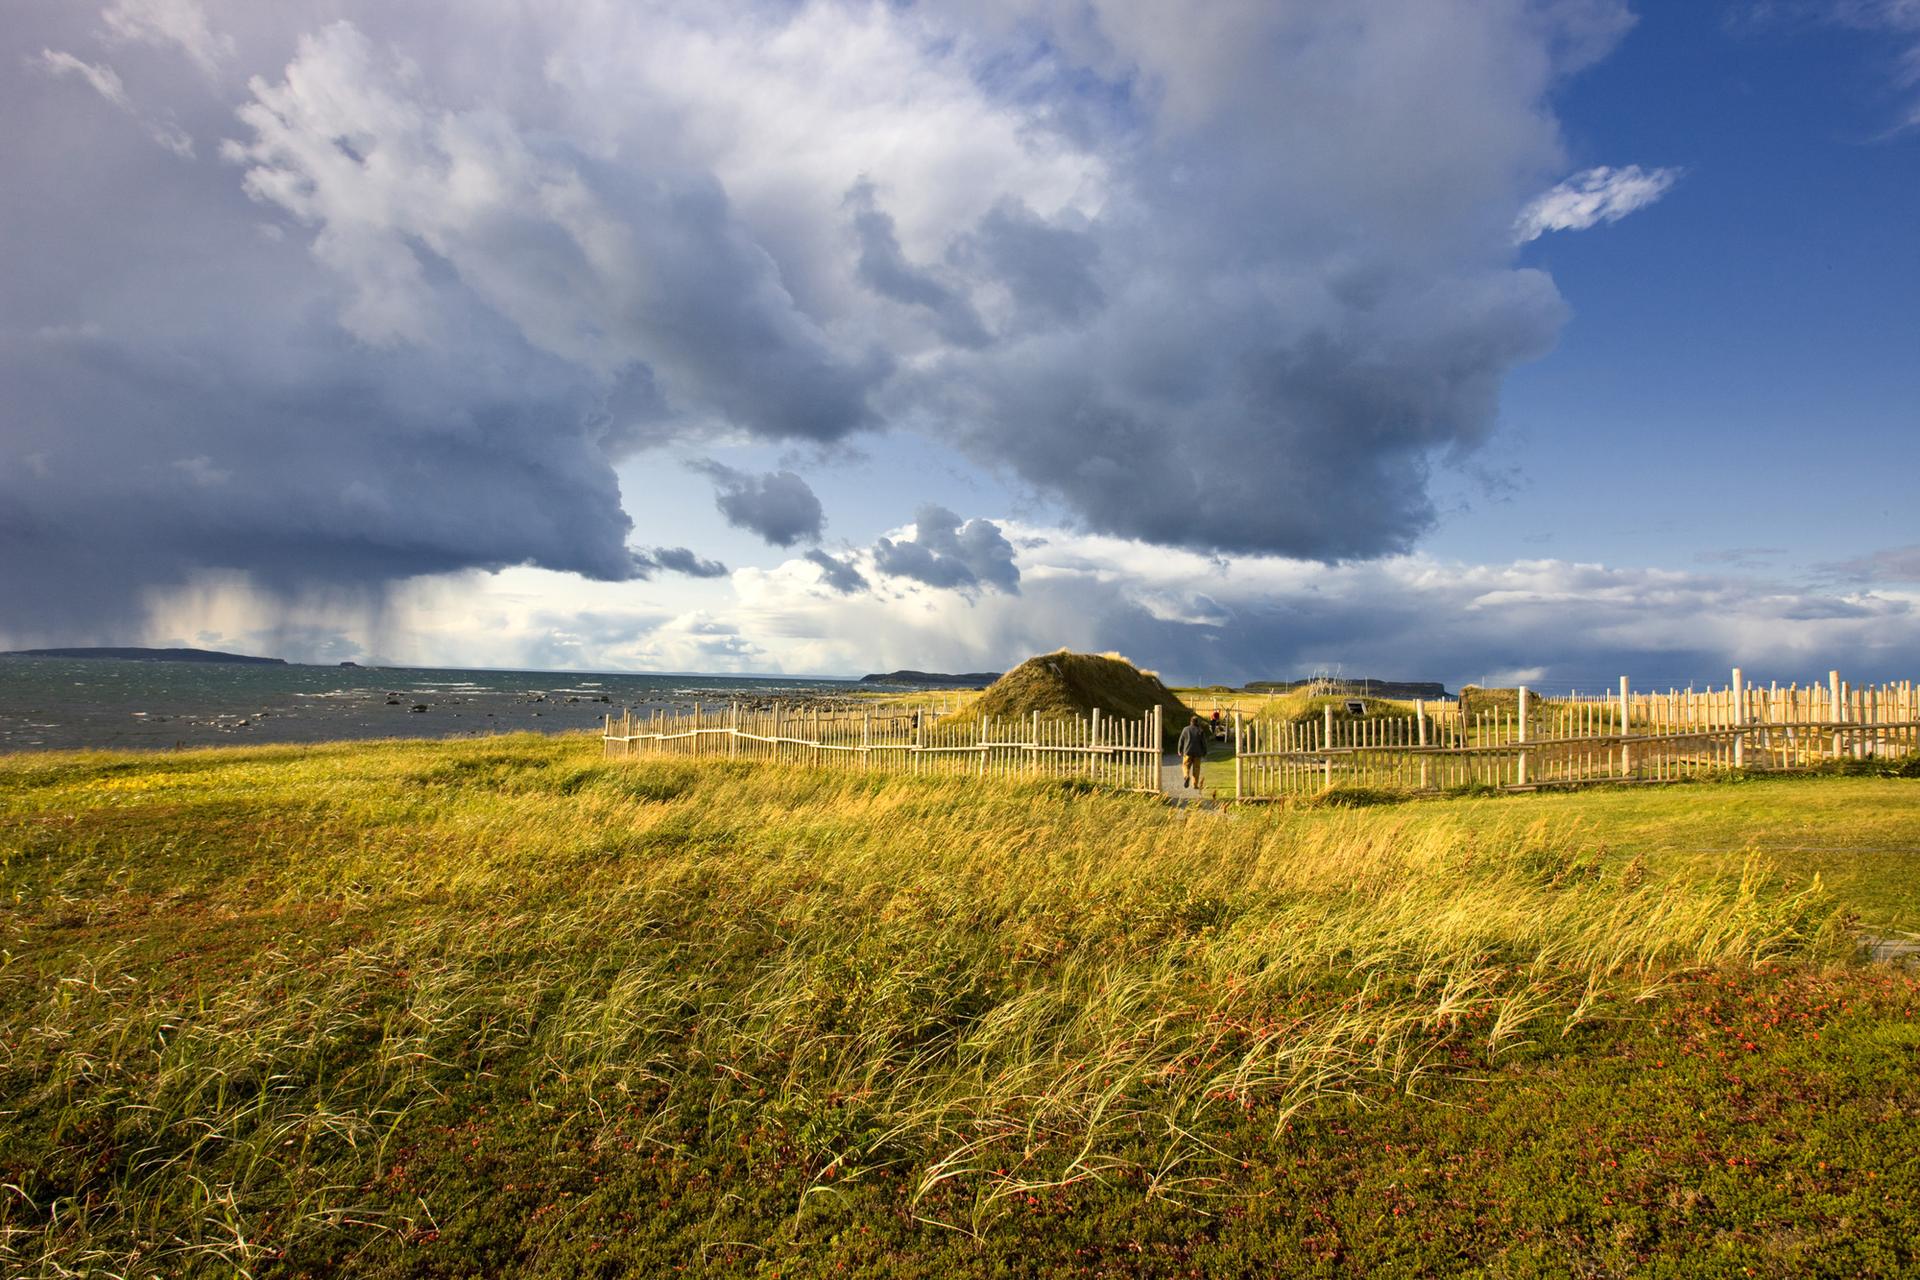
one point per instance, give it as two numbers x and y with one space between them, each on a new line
1072 684
501 1008
1505 702
1302 705
1476 700
1301 708
1489 698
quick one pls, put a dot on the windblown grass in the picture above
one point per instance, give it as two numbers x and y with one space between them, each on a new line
281 1010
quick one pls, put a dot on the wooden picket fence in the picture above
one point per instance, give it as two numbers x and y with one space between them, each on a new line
1108 750
1623 737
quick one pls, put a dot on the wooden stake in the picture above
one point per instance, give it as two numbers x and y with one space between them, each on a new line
1739 720
1238 747
1626 730
1833 708
1520 763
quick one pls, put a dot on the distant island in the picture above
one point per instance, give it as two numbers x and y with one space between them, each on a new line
935 679
146 655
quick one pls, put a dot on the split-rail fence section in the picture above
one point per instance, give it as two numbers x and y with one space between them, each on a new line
1104 749
1528 741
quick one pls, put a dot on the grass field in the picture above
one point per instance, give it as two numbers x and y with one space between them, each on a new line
1861 835
499 1007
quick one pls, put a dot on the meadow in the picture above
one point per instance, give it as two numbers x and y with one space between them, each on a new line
501 1007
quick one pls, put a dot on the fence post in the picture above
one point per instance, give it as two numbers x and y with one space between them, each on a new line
1158 745
1033 746
1237 748
1420 732
1326 743
1626 730
1833 709
1092 759
733 729
1850 712
1520 767
1739 720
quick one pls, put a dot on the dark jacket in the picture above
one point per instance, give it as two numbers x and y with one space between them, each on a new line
1193 741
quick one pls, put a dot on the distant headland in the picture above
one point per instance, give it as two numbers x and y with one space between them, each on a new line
145 655
935 679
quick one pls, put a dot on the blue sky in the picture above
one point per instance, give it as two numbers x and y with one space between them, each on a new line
1740 370
1455 339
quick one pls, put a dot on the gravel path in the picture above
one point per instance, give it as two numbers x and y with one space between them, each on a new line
1176 790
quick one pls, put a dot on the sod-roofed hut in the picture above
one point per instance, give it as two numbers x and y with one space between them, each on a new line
1073 684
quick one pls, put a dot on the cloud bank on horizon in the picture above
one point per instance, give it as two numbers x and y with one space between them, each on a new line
1548 622
350 295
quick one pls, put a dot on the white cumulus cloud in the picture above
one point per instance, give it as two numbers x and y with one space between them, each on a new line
1597 195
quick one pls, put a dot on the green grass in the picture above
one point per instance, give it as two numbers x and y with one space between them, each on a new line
1859 834
499 1007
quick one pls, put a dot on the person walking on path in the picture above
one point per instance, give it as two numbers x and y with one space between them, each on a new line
1193 752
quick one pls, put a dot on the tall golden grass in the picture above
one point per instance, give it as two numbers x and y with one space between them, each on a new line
984 985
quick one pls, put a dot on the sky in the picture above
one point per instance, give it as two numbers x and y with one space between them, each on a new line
1504 341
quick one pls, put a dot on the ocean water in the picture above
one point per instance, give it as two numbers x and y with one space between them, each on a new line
62 703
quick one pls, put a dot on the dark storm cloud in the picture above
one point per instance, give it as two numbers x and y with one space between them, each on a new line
838 574
885 269
326 479
351 292
1304 300
323 362
779 506
943 552
681 560
1048 270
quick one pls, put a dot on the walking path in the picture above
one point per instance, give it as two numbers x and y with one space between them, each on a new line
1174 787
